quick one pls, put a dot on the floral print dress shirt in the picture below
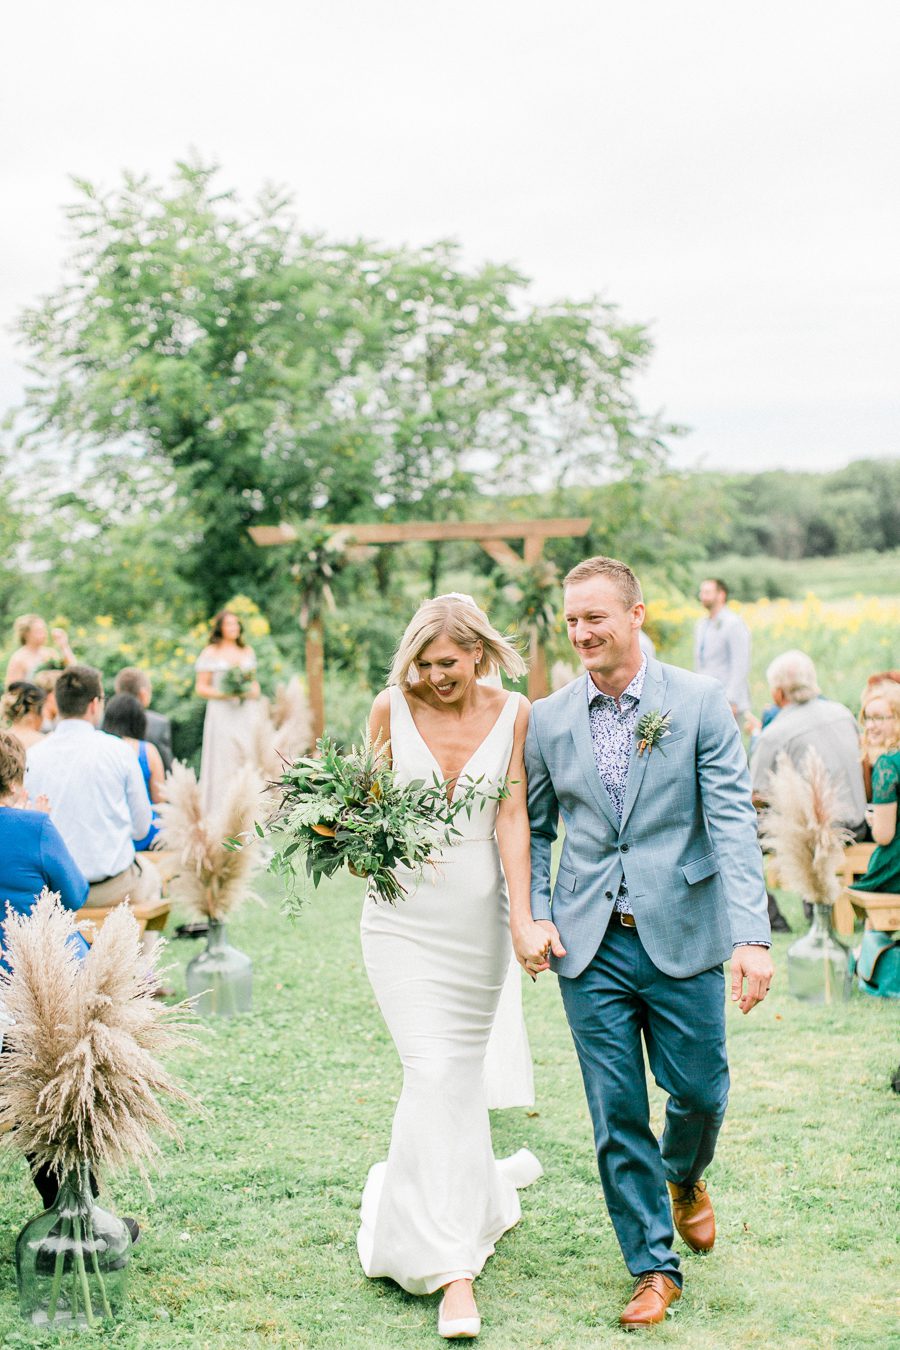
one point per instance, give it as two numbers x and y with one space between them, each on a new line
613 723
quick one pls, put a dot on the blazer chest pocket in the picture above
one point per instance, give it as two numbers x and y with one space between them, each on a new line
565 879
699 869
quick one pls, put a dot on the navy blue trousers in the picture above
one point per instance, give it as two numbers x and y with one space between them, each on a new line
620 1000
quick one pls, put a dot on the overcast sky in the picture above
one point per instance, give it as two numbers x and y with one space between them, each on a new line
726 173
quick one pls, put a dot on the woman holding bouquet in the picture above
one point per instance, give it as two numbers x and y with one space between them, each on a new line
225 678
438 959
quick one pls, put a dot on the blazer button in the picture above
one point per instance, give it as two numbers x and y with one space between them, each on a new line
610 896
624 848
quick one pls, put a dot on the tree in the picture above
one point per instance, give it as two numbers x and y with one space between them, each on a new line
269 373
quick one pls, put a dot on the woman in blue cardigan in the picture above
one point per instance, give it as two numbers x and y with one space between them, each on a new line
32 852
32 856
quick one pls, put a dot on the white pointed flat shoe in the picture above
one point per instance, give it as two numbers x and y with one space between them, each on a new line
459 1328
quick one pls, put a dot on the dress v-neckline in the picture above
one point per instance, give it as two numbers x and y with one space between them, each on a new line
433 757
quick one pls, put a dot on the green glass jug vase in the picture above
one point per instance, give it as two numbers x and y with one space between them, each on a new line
221 977
72 1260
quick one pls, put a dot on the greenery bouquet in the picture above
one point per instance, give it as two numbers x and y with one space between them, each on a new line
236 681
352 810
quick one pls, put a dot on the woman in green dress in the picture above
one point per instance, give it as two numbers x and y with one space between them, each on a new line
880 719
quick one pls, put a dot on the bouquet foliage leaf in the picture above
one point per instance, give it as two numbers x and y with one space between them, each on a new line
353 810
236 681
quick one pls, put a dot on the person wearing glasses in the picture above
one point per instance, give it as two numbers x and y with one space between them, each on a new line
880 744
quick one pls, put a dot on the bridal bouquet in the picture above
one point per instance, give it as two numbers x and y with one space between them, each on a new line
236 681
351 809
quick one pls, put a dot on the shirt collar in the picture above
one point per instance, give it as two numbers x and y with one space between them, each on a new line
632 691
74 726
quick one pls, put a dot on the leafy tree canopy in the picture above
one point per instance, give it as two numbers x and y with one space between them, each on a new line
258 372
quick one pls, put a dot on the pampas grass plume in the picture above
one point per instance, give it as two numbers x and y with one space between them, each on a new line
799 828
213 878
80 1077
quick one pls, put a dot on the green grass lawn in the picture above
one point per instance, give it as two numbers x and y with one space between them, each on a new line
250 1241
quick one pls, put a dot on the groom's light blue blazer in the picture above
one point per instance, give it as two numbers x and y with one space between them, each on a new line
687 842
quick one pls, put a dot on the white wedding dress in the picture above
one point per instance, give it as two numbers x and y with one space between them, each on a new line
438 962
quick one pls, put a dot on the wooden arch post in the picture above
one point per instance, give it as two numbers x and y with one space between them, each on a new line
493 537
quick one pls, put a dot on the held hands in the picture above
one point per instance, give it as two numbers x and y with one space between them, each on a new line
753 964
533 941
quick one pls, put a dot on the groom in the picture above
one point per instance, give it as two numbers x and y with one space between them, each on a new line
660 880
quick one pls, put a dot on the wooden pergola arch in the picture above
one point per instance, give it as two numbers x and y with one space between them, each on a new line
492 536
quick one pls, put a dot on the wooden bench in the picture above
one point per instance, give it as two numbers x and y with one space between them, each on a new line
880 909
853 864
151 917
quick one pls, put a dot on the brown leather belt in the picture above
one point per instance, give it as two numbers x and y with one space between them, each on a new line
626 920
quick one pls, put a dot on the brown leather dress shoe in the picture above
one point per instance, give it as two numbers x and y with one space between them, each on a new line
652 1295
693 1214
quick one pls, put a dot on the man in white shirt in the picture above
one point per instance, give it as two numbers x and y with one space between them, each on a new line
98 799
722 646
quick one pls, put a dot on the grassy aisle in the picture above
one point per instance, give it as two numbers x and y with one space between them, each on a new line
250 1241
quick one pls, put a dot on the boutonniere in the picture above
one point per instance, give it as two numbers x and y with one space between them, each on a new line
651 729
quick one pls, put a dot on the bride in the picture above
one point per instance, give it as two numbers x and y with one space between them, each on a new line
433 1211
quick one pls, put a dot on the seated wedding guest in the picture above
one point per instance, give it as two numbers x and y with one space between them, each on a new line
96 793
159 728
32 852
31 634
22 709
46 680
880 720
33 856
806 721
125 718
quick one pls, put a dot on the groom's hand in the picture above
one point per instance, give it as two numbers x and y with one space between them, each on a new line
753 964
533 942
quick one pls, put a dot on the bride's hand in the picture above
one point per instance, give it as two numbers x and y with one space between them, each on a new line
533 942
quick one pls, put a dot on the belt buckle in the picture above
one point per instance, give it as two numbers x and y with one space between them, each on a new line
626 920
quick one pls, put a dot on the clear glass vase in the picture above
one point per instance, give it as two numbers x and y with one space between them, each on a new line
72 1261
220 977
818 965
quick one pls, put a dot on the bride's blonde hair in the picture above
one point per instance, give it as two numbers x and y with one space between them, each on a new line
462 622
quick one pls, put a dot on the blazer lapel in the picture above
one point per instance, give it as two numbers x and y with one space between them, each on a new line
580 724
652 699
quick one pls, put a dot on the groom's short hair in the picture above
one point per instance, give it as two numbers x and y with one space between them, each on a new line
619 573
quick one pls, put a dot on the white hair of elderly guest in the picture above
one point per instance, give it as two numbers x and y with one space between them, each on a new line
458 618
795 675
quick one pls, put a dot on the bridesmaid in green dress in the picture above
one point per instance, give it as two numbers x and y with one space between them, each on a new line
880 719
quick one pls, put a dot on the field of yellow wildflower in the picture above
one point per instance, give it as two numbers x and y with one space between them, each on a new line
847 639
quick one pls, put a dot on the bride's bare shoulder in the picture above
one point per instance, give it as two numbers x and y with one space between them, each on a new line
382 702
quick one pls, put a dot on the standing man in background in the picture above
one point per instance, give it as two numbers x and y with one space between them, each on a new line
722 646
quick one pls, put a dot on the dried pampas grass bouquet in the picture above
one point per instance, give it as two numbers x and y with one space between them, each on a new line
213 876
80 1078
82 1089
799 828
